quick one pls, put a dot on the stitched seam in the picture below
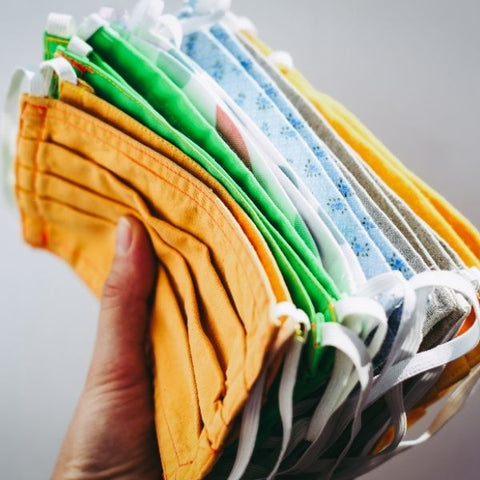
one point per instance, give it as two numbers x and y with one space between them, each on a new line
154 138
188 180
96 70
65 245
81 67
164 415
120 203
40 136
198 204
156 174
117 85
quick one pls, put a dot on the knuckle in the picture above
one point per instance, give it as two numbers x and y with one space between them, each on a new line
114 288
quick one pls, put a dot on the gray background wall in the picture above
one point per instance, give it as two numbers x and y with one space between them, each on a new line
409 69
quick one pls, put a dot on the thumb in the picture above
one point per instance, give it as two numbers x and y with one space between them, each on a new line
119 354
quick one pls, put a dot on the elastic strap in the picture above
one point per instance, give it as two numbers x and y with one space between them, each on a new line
251 413
203 14
79 47
431 359
90 25
239 24
287 385
390 284
354 467
248 429
283 58
345 341
150 23
453 405
20 82
361 316
441 354
42 82
61 25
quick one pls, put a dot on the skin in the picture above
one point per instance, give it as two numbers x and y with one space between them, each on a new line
112 433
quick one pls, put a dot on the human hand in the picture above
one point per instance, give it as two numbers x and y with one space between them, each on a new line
112 433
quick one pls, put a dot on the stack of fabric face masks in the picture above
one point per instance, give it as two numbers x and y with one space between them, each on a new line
314 296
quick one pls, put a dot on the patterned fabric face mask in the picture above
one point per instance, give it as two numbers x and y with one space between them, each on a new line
209 54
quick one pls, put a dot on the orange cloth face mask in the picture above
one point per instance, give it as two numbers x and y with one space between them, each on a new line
84 100
76 176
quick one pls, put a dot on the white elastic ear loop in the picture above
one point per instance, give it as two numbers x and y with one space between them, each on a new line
407 329
406 349
420 363
42 81
384 283
439 355
394 397
148 22
364 315
248 429
283 58
204 16
61 25
21 82
90 25
345 341
79 47
359 466
406 343
421 284
239 24
443 353
354 312
374 319
108 14
251 413
288 380
452 406
361 316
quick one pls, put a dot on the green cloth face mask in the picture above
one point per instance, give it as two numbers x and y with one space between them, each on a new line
307 293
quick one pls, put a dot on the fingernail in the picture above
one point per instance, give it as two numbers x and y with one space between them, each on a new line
124 236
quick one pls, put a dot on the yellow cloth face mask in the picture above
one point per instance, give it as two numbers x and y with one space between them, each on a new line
76 176
428 204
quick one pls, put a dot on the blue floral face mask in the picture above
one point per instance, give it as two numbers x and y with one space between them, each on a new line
283 131
317 146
